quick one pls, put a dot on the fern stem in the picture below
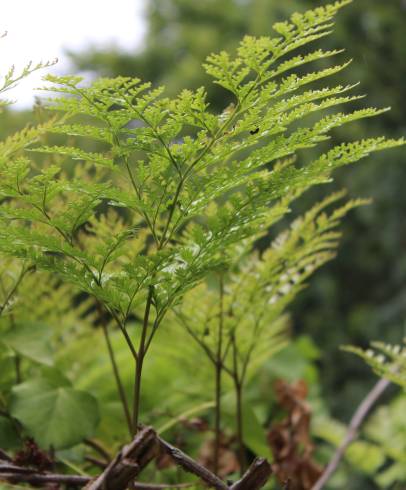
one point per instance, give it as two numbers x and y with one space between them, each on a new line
116 372
240 430
195 337
17 361
183 177
123 329
179 188
217 423
239 410
134 185
12 291
137 394
218 369
140 361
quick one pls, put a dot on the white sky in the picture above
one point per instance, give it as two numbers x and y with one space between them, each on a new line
39 30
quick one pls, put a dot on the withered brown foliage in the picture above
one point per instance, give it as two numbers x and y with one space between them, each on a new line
31 455
290 439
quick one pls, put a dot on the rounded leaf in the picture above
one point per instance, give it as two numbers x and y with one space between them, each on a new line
57 416
30 340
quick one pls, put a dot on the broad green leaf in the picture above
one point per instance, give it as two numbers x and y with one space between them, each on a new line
55 376
31 340
254 433
55 416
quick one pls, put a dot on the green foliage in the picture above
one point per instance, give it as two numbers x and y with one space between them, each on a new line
242 324
179 33
380 451
38 317
387 428
56 416
31 341
388 361
260 287
366 456
177 175
173 199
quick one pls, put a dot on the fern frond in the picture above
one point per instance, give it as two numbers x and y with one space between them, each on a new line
148 196
387 361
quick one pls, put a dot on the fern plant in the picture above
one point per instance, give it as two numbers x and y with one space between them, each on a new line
242 324
172 189
387 361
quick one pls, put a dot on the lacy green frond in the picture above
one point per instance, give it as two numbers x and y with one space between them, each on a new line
387 361
136 199
258 289
11 79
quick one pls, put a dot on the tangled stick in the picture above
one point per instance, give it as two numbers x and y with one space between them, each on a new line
128 464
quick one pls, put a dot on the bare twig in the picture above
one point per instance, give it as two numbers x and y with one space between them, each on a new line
159 486
191 466
77 480
12 468
255 477
4 456
128 463
37 478
352 432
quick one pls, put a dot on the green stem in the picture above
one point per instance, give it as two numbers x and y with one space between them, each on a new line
218 370
137 393
17 361
239 410
123 329
217 422
9 295
119 384
240 430
140 361
179 188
